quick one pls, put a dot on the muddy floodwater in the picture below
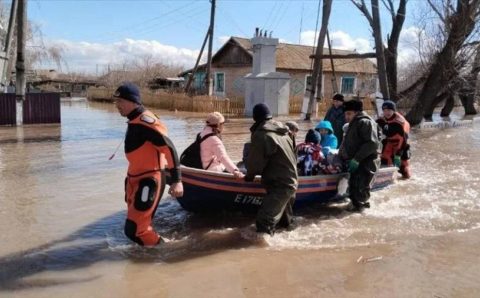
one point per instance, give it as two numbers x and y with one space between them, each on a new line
62 214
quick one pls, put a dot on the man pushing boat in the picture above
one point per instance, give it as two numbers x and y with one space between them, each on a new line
148 151
272 155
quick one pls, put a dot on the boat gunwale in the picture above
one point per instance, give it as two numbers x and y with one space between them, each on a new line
230 176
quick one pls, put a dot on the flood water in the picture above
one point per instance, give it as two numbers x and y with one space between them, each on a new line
62 214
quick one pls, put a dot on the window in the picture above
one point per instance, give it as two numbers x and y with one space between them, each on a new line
219 82
308 83
348 85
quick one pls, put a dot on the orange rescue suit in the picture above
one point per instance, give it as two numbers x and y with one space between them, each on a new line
396 130
148 151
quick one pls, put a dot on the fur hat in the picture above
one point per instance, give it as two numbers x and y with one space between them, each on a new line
353 105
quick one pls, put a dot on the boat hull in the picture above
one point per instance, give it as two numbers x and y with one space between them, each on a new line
206 191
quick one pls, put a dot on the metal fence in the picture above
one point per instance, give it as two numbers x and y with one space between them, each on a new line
37 108
8 109
41 108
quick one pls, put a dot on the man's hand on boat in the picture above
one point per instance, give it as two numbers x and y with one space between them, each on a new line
238 175
176 190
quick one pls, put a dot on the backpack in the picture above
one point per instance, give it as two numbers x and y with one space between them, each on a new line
191 156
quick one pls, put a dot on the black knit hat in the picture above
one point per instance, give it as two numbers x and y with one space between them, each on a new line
339 97
353 105
128 91
388 104
313 136
261 112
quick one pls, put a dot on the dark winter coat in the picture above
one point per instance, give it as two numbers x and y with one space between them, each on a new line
272 155
337 118
361 140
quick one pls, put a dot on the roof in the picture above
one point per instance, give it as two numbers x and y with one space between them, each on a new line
297 57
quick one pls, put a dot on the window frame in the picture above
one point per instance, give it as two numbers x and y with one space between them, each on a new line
216 83
305 84
354 87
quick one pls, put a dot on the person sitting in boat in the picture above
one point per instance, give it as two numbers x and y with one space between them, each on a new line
309 154
292 129
329 140
212 151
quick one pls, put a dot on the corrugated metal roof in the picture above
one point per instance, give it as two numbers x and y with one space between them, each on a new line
297 57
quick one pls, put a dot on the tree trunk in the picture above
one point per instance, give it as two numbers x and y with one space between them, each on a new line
391 68
448 107
391 53
468 98
442 70
468 103
377 34
428 114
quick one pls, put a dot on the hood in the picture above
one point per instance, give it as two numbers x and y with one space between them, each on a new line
326 125
362 115
272 126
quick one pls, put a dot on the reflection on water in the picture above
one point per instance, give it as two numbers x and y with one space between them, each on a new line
61 202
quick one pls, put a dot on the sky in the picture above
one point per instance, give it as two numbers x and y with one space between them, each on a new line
94 34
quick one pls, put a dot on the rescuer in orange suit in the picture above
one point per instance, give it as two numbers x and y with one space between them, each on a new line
396 150
148 151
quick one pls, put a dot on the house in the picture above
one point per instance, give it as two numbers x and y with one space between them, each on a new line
168 84
230 64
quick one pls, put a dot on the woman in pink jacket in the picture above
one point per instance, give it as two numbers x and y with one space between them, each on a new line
212 151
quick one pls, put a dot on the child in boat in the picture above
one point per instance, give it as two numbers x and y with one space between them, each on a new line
333 163
329 140
212 151
309 155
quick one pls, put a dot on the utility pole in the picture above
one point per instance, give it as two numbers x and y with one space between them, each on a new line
192 75
317 64
5 75
334 77
210 45
20 66
381 65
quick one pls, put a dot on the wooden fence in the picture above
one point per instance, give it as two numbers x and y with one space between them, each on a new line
182 102
178 101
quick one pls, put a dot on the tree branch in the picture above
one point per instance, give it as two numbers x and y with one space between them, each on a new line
363 8
435 9
389 5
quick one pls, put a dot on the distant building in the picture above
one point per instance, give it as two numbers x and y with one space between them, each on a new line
168 84
233 61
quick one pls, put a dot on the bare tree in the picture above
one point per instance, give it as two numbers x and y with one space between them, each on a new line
391 52
460 22
468 92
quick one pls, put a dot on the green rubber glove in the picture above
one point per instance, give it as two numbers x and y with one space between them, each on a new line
352 165
397 161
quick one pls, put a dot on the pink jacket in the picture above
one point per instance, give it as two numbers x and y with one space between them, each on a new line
213 149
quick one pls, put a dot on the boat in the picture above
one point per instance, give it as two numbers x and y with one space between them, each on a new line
207 191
